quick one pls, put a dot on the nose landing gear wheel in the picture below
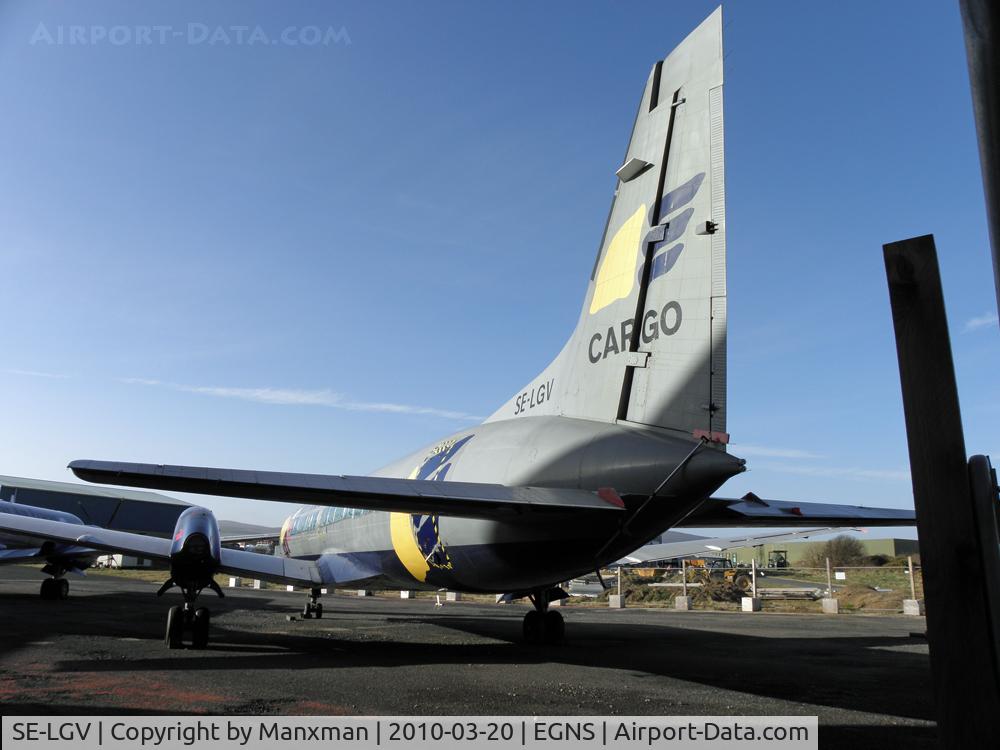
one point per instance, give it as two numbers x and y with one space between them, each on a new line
174 637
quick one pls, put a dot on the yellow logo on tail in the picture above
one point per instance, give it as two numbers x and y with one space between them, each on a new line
616 276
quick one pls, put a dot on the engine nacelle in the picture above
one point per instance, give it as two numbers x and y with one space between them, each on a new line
196 549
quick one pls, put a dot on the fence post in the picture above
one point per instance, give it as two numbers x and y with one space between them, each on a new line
912 606
830 604
752 603
682 602
617 601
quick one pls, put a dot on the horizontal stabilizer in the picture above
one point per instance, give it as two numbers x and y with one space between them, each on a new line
715 545
468 499
751 510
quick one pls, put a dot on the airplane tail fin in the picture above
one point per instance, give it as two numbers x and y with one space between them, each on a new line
650 344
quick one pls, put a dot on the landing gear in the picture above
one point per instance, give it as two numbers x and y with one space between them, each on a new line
555 627
183 617
312 607
186 617
54 588
199 627
174 637
543 625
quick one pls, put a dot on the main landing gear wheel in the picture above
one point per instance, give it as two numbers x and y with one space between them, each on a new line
54 588
312 607
555 628
534 627
199 628
543 625
546 628
181 618
174 637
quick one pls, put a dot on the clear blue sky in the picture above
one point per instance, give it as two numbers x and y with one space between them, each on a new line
237 254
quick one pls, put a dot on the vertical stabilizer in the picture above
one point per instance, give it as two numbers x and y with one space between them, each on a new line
650 344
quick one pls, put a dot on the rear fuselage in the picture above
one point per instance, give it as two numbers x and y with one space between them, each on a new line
527 550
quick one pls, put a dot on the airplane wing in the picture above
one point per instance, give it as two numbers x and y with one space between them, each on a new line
751 510
703 545
468 499
237 562
270 536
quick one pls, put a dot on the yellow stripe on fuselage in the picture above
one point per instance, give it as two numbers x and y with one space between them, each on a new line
404 542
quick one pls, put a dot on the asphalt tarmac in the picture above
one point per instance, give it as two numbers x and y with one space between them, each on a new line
101 652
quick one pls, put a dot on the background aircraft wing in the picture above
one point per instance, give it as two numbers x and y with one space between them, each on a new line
237 538
237 562
109 507
713 545
751 510
469 499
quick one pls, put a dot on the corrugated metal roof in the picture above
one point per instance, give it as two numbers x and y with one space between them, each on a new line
93 490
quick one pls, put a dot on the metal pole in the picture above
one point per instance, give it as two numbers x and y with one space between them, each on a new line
829 580
619 581
913 584
753 577
684 576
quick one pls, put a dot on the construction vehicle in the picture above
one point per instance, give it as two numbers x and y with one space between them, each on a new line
705 569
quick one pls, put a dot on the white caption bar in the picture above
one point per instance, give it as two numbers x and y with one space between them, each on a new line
411 732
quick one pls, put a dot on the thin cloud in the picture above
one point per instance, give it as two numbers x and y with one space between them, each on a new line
982 321
304 397
764 451
838 472
37 374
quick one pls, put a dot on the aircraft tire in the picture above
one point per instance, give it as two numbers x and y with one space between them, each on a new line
534 627
199 627
46 591
318 611
62 588
307 611
554 631
174 637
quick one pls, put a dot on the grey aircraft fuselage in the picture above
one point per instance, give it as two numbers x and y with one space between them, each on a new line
528 551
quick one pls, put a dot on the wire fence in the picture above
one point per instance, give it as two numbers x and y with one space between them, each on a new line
857 588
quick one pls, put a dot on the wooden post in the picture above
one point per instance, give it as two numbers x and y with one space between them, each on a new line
963 652
913 584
